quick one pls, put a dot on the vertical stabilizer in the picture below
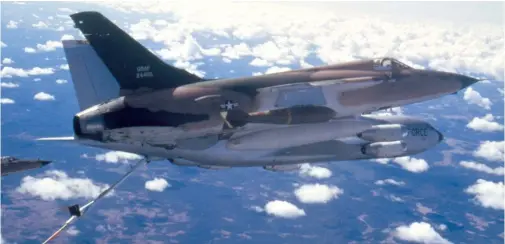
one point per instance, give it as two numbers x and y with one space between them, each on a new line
134 66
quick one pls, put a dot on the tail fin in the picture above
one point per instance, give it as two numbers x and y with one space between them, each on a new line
134 66
93 83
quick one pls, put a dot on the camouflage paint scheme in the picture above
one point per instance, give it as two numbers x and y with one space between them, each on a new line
163 111
14 165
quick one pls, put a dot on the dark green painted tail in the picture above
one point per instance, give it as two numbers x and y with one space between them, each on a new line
133 65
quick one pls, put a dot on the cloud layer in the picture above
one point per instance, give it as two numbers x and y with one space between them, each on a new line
482 167
117 157
488 194
419 232
56 184
302 31
283 209
491 150
157 184
314 171
317 193
485 124
42 96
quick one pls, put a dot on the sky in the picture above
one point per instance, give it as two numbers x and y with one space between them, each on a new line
244 39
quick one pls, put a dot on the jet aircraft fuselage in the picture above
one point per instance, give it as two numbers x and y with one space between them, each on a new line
167 112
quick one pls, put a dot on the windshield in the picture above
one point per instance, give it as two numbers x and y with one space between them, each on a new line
401 65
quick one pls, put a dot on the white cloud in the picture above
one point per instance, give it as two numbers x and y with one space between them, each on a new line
419 232
73 231
395 198
442 227
66 10
389 181
49 46
314 171
161 22
381 160
42 96
40 25
414 165
482 168
29 50
488 194
271 52
317 193
56 184
157 184
491 150
64 66
12 24
61 81
9 72
257 209
187 51
236 51
2 44
474 97
7 61
9 85
6 101
67 37
283 209
259 62
192 68
500 90
117 157
485 124
276 69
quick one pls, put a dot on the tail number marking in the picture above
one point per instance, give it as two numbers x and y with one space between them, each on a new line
144 72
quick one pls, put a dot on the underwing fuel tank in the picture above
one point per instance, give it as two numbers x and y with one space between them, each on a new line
282 168
384 149
297 135
385 132
382 135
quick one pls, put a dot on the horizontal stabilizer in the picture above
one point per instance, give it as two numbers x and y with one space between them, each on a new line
63 138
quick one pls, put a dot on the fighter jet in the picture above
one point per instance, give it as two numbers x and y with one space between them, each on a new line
132 101
13 165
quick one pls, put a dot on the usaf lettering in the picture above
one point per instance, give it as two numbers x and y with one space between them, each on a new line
418 132
144 72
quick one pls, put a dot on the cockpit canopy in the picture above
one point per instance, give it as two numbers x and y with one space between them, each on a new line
387 63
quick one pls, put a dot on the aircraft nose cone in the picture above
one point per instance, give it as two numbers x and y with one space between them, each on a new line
466 81
44 163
